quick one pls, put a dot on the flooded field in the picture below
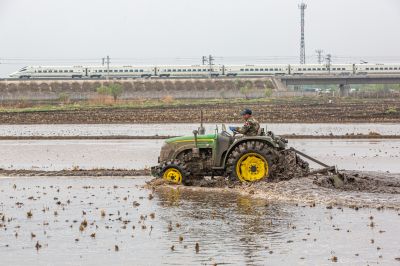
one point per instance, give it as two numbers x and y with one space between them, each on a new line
109 221
367 155
186 129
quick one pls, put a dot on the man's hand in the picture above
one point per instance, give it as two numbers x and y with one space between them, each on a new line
233 129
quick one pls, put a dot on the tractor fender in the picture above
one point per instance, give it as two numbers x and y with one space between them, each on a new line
269 141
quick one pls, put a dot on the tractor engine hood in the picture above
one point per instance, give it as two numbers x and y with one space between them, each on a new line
172 145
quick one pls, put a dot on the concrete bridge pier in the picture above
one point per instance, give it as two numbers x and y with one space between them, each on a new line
344 90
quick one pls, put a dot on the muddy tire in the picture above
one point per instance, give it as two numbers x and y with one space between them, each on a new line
251 161
174 171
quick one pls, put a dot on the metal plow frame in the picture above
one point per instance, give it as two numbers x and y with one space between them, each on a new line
326 169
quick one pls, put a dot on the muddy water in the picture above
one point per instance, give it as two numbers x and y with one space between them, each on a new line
229 228
368 155
184 129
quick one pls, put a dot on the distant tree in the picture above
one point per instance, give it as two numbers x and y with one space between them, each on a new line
114 90
268 92
246 89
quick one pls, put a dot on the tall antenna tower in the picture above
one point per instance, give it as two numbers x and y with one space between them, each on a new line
319 54
302 7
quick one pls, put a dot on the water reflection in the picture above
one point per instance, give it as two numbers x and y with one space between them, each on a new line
227 222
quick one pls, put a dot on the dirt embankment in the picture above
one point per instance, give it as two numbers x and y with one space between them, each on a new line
278 112
78 173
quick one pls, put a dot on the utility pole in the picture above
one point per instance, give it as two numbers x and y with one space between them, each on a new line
210 62
204 59
102 61
328 60
108 67
319 54
302 7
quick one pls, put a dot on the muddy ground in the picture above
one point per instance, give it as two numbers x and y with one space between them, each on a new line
355 189
377 110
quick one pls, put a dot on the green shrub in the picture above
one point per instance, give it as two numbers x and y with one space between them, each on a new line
391 110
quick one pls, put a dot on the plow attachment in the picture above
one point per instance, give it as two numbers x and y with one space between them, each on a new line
326 168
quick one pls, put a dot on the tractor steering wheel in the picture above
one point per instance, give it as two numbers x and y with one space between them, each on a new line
226 133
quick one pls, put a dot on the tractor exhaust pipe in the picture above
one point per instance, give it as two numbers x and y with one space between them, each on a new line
202 130
195 150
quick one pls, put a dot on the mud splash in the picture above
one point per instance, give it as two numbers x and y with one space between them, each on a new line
357 190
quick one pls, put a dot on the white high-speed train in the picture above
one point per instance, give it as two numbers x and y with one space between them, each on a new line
201 70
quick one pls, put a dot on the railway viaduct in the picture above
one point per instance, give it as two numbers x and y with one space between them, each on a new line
342 81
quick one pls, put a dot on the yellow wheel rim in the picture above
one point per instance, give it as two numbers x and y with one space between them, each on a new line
173 175
252 167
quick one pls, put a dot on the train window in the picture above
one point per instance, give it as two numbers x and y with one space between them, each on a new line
276 69
136 70
246 69
121 70
376 68
141 70
189 70
194 70
308 69
271 69
50 71
55 71
314 69
334 68
381 68
241 69
199 70
39 71
100 70
319 69
183 70
367 68
131 70
126 70
251 69
256 69
44 71
179 70
390 68
71 71
386 68
395 68
323 68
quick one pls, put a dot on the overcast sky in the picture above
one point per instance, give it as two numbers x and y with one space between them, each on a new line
181 31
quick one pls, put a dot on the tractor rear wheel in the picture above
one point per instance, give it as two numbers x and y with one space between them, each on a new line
250 161
174 171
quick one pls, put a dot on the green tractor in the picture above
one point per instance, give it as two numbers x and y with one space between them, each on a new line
238 157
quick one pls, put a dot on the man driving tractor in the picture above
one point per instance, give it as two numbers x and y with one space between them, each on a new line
250 127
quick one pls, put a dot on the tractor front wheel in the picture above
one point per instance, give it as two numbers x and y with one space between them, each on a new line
174 171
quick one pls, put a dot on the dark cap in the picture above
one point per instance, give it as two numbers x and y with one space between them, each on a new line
246 112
